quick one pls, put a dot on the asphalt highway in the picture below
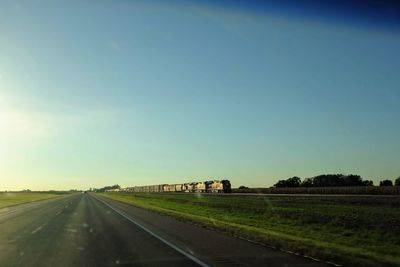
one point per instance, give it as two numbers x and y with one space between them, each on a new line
87 230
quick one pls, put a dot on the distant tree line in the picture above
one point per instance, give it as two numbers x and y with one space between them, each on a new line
388 182
329 180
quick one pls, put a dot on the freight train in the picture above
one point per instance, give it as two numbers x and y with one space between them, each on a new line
216 186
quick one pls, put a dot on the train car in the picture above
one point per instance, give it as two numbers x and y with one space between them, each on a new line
215 186
154 189
188 187
161 188
179 188
167 188
171 188
200 187
212 186
113 190
148 189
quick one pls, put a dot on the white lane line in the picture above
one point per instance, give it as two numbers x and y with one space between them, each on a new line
38 229
181 251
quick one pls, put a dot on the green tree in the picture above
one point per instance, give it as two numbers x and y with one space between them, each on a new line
352 180
324 180
386 182
281 183
290 182
397 181
294 181
308 182
367 183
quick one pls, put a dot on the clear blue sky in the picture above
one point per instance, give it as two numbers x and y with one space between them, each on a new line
94 93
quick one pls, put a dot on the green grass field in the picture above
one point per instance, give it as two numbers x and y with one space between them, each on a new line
10 199
333 190
350 230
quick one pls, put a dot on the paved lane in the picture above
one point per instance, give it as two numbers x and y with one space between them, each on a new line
87 230
79 231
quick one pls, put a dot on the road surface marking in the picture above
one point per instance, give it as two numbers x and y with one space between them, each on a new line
188 255
38 229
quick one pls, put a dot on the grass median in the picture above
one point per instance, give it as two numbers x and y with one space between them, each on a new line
11 199
353 231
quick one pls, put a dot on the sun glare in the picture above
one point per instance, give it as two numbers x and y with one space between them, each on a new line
15 124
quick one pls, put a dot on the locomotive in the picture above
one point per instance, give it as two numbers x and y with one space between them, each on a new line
214 186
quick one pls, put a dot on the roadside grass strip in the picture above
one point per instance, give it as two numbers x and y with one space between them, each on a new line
12 199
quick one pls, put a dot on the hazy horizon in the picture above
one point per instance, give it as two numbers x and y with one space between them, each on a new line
138 92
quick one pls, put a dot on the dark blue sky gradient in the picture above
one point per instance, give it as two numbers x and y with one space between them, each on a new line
381 14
